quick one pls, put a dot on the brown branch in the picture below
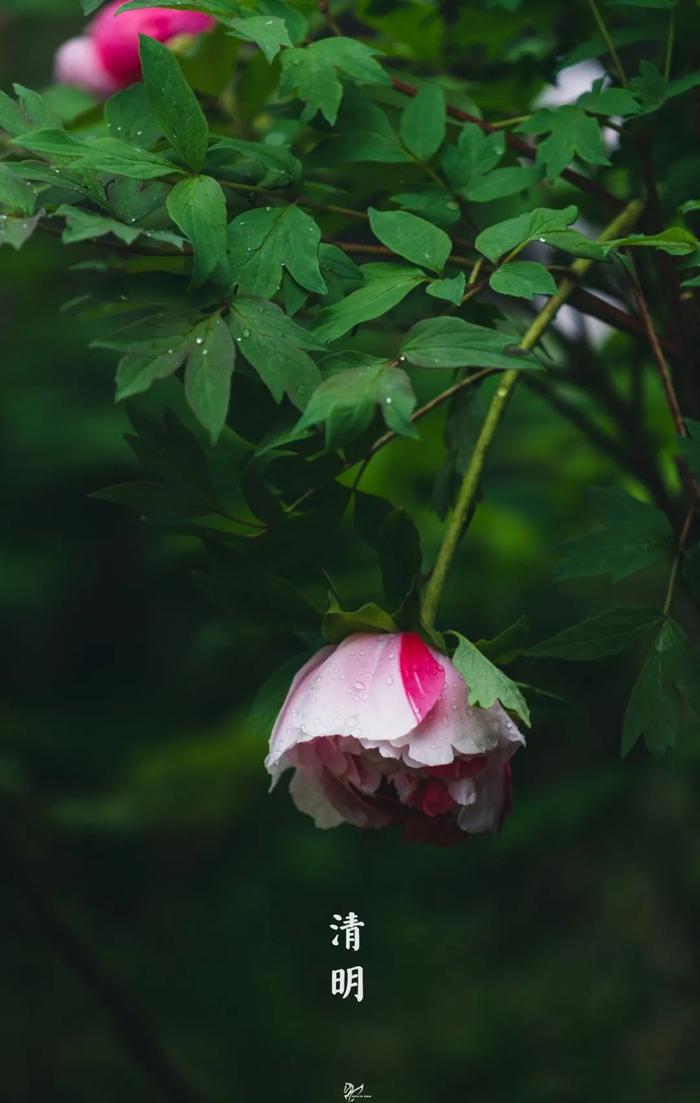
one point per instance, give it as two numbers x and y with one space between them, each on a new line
324 8
595 307
134 1032
383 251
522 147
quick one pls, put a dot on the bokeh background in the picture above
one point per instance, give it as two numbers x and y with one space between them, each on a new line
555 962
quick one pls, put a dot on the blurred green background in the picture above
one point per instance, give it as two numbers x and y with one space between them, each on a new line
556 962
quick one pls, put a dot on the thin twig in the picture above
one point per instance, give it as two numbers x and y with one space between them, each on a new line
680 548
610 45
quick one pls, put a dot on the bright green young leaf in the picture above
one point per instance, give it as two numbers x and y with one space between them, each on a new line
173 103
499 239
570 133
667 685
524 279
385 286
422 127
474 155
197 206
449 289
265 240
411 237
453 343
275 346
311 73
268 32
486 684
608 633
208 374
634 536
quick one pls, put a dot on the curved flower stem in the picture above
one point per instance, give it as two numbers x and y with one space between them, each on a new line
472 476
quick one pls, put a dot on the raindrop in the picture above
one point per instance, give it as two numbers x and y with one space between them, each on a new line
390 681
543 240
246 333
199 340
358 685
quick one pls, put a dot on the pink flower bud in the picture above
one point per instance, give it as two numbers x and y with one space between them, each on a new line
107 57
117 36
77 62
379 731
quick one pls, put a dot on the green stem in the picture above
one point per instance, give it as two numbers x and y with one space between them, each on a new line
610 45
669 43
682 541
472 476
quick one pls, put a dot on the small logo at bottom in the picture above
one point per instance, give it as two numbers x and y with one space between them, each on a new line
352 1092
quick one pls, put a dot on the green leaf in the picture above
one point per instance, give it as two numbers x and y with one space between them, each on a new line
635 536
422 127
501 183
365 133
411 237
15 231
268 700
282 166
109 155
609 101
400 557
508 644
16 195
268 32
571 133
129 117
346 401
475 155
453 343
265 240
173 103
85 226
690 446
35 107
608 633
371 618
487 684
385 286
450 289
534 225
666 687
430 200
524 279
12 118
311 73
197 206
571 241
675 240
208 374
274 345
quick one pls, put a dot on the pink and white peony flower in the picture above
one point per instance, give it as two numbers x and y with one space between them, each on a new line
379 731
107 57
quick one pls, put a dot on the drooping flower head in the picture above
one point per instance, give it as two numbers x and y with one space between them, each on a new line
379 731
106 58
